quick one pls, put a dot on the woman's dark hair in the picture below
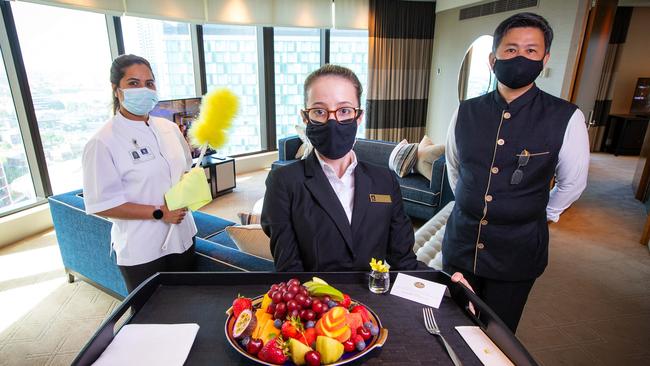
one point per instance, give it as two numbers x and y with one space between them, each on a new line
334 70
523 20
117 73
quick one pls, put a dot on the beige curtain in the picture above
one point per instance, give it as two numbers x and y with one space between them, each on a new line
399 67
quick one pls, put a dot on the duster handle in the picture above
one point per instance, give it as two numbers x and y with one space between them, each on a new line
203 150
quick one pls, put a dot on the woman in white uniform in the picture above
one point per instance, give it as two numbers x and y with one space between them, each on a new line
128 165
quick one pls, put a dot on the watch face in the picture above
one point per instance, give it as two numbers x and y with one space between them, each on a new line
158 214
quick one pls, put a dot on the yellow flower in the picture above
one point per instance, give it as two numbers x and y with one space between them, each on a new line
378 266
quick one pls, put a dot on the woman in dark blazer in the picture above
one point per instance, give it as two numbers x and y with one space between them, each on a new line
330 212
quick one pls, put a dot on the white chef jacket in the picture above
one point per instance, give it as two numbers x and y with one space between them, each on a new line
130 161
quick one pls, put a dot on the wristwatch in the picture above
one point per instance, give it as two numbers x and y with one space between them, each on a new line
157 213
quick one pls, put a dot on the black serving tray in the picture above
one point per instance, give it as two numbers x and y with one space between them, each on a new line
203 298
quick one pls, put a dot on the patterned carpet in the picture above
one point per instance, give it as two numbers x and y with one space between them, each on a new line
591 306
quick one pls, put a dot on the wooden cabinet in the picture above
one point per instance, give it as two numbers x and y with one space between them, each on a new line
624 134
220 172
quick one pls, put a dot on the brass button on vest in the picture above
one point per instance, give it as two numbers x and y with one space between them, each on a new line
484 222
488 198
500 142
495 170
480 245
506 115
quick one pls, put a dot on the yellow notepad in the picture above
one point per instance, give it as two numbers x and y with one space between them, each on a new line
192 191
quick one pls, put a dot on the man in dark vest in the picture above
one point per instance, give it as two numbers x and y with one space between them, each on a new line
503 150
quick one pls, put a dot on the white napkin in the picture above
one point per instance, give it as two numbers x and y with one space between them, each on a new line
150 344
483 347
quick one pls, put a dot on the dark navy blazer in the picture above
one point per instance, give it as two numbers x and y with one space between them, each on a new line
310 231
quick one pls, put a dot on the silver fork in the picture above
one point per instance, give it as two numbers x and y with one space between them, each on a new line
432 327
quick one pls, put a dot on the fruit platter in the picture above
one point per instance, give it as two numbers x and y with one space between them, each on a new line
309 323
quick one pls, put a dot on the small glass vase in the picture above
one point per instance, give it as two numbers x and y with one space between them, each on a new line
379 282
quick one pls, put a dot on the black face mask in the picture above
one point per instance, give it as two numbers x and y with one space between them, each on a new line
332 139
517 72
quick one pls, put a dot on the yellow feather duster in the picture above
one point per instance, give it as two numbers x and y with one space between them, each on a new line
218 109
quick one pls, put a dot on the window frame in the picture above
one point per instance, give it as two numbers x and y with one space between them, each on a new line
26 114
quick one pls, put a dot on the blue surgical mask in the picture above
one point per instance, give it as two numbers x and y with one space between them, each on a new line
139 101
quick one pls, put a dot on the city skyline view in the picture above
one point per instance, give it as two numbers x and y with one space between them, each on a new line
67 58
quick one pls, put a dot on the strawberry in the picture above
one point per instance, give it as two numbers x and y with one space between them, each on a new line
365 315
273 352
292 328
346 301
240 304
308 337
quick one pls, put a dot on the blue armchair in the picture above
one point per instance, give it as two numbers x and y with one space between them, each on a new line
84 242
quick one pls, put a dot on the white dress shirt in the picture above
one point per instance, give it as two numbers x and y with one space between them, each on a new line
344 186
112 176
570 172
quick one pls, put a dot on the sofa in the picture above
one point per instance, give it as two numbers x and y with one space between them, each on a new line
422 197
84 242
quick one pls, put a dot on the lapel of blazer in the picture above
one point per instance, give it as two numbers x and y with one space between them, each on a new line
362 185
323 192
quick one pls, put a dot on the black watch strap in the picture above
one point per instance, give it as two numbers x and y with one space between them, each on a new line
157 213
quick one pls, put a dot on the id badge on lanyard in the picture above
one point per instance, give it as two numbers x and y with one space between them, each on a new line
141 153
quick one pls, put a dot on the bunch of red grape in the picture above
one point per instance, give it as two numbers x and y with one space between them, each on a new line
293 300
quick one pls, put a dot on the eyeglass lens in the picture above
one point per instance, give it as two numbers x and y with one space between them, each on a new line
518 175
343 115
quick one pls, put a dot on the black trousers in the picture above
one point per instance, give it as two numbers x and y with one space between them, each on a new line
180 262
506 298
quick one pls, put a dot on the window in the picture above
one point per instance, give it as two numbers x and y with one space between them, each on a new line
296 53
168 48
16 186
231 62
476 73
67 58
349 48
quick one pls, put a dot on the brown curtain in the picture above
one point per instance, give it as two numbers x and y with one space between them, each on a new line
603 101
400 51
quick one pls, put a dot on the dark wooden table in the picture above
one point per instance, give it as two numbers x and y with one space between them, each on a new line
202 298
624 134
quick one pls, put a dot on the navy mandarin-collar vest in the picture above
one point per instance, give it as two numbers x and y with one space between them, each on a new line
497 229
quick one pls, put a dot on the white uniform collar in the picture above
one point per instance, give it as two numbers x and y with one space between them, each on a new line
137 124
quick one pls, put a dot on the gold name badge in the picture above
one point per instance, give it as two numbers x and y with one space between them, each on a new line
380 198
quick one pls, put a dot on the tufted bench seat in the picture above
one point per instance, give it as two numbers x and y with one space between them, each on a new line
428 238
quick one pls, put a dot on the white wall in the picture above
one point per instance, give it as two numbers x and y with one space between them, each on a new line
251 163
25 223
453 37
633 61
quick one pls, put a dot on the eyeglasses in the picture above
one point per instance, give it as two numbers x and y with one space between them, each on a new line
343 115
518 175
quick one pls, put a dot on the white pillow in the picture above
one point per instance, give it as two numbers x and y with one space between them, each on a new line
403 158
306 148
428 153
251 239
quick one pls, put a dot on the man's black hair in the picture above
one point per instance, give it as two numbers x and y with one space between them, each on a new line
523 20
